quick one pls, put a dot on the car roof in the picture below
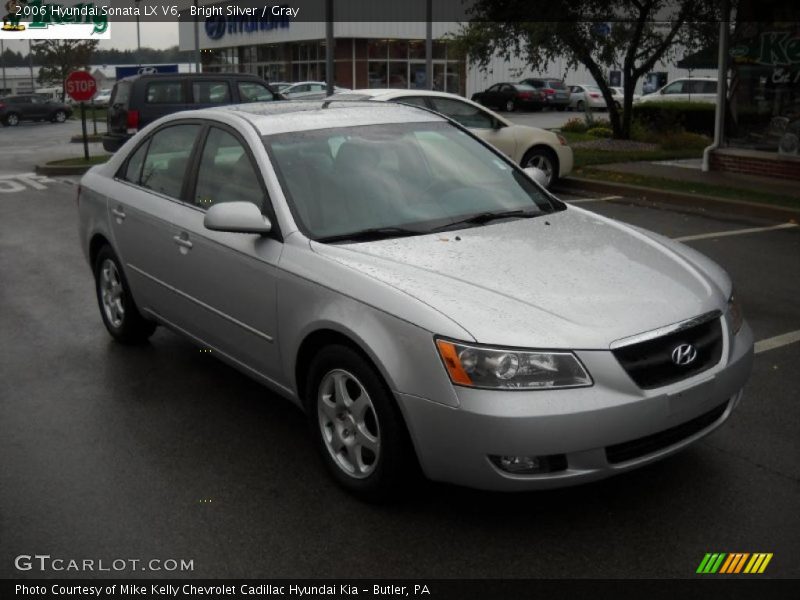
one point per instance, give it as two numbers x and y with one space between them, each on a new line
270 118
396 92
146 76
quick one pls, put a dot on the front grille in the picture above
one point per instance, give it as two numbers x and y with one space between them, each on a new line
650 364
643 446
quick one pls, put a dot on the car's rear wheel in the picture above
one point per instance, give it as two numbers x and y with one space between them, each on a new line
562 108
543 159
11 120
581 106
60 116
117 308
510 106
356 424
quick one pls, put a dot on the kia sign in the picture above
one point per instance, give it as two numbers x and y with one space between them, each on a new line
80 86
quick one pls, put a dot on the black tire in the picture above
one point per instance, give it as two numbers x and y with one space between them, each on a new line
11 120
395 462
580 106
510 106
562 108
59 116
543 155
132 327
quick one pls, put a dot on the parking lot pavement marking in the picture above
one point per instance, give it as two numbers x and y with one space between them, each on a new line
777 341
705 236
19 182
583 200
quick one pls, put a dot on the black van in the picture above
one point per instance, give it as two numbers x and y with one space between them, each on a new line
141 99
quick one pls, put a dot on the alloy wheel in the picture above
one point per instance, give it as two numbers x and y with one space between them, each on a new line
12 120
60 116
348 423
510 106
112 291
543 163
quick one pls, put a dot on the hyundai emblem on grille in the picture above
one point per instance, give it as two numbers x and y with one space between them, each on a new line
684 355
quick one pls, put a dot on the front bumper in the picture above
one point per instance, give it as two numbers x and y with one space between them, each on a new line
454 444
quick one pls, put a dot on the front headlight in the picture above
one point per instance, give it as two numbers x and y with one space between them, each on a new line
735 314
499 368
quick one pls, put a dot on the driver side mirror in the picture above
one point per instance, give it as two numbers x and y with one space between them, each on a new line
537 175
236 217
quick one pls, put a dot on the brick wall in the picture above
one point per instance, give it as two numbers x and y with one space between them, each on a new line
768 166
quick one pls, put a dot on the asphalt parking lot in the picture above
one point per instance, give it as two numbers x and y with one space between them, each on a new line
161 451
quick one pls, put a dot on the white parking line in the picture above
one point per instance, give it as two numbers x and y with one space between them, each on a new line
583 200
777 341
705 236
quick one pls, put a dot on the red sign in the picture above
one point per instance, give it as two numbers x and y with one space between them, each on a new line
80 86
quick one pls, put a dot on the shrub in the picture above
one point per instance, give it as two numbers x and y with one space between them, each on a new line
684 140
670 117
600 132
575 125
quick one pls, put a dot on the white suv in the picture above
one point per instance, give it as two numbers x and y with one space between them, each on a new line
690 89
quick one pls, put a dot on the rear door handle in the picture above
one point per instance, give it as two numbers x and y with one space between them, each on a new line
182 241
119 213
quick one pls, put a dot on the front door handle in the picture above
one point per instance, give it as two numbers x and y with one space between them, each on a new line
119 213
182 241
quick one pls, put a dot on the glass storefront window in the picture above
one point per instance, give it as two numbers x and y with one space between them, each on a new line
764 105
439 50
398 49
377 49
377 74
416 49
398 74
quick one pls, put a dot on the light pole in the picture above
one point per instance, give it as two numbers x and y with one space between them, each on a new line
30 65
138 39
196 42
3 62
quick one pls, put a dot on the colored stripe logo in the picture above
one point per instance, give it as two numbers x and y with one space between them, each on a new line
734 563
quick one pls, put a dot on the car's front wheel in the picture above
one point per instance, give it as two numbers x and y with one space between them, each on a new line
356 424
11 120
543 159
60 116
117 308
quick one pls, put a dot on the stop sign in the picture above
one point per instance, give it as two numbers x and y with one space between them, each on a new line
80 86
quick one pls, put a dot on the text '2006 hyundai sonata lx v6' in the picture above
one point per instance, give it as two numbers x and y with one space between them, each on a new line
421 297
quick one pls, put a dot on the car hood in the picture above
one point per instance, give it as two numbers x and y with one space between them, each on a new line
570 279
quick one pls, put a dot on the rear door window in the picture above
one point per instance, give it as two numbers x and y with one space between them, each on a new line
165 92
211 92
676 87
250 91
463 113
121 93
167 159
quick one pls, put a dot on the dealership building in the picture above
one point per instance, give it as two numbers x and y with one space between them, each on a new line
758 124
366 55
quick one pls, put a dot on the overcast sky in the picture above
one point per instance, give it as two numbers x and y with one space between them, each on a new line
123 37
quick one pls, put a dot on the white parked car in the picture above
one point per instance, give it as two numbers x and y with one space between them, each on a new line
102 98
526 146
619 96
689 89
583 95
308 90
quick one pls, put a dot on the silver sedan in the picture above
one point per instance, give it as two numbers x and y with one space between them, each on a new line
423 299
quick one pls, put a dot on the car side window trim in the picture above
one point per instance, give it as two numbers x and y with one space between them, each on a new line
190 183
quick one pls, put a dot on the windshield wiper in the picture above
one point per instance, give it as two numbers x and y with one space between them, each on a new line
486 217
372 234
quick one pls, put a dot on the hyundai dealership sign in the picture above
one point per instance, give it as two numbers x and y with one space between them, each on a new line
218 26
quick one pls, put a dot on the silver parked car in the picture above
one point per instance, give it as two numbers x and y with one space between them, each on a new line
419 295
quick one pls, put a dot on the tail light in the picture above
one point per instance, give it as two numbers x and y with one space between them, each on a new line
594 94
2 106
132 119
549 91
525 95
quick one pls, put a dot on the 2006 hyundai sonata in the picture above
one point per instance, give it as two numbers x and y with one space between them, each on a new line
421 297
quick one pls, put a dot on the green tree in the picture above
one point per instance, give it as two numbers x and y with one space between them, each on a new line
58 58
629 35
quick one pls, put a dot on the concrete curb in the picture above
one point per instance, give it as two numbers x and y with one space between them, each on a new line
48 169
690 202
92 138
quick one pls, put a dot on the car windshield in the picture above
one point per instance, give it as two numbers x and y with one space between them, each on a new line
397 179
